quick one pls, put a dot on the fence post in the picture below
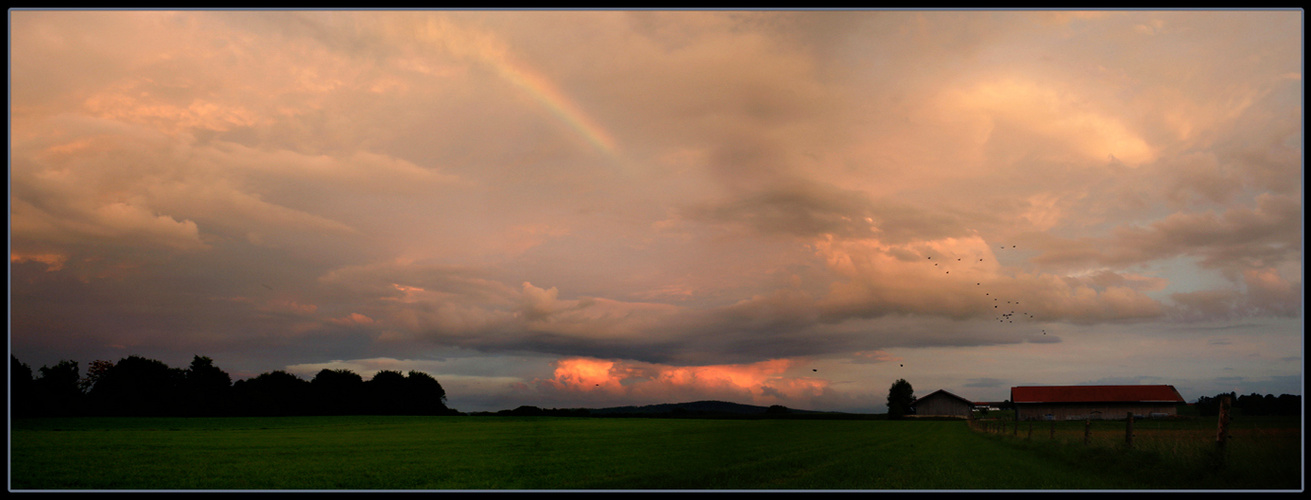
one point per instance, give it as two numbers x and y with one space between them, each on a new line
1015 431
1222 433
1128 430
1030 436
1087 431
1053 434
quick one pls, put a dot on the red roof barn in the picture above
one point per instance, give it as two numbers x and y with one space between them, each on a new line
1096 402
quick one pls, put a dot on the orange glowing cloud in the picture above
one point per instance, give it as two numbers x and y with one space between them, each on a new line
761 383
582 373
288 306
53 261
353 319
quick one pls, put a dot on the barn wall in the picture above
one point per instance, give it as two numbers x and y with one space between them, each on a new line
1093 411
941 406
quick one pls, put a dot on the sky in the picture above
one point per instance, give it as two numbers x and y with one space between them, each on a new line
604 208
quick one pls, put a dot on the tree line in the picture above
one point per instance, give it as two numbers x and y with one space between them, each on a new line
1251 404
139 387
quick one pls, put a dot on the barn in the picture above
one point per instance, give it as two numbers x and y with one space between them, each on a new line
1095 402
941 403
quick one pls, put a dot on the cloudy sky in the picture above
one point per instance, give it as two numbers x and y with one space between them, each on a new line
585 209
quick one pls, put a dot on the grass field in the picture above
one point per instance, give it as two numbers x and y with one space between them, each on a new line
1261 452
554 453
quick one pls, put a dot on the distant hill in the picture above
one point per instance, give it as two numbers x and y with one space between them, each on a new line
695 407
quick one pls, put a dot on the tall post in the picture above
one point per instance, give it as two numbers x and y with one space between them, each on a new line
1053 434
1087 431
1128 430
1030 436
1222 433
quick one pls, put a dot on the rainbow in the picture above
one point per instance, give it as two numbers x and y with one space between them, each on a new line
489 49
541 89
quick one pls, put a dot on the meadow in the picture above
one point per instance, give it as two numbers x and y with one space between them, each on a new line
562 453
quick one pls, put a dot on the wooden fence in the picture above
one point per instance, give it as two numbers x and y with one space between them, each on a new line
1025 429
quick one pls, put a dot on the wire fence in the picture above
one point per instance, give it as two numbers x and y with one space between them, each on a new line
1171 437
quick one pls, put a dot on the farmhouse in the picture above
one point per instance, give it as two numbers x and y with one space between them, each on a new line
1095 402
941 403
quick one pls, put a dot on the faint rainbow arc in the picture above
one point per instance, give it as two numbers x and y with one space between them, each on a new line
541 89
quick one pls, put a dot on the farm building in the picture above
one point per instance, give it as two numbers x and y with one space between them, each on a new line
1096 402
941 403
991 405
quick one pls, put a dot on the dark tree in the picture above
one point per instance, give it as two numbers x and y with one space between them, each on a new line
387 393
138 386
208 390
94 372
1288 404
21 397
337 392
57 390
1210 407
275 393
424 395
900 396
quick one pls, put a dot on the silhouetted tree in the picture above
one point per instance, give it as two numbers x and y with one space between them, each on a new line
1250 404
208 390
1288 404
275 393
424 395
777 410
58 391
900 396
1210 407
386 393
94 372
22 389
138 386
337 392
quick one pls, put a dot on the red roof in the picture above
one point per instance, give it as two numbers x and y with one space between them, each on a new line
1095 394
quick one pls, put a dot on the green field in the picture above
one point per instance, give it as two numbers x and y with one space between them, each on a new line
556 453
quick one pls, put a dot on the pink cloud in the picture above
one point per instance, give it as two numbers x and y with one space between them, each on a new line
353 319
53 261
288 306
765 382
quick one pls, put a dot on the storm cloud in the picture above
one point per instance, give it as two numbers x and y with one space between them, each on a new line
776 207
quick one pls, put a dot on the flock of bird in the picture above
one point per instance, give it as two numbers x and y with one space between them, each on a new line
1001 317
1007 315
